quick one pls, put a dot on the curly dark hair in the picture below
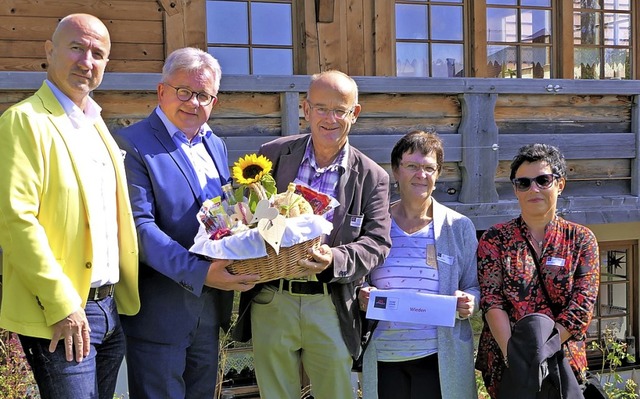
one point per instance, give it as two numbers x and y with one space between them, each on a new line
540 152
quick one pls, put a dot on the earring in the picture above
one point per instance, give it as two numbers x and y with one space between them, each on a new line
395 185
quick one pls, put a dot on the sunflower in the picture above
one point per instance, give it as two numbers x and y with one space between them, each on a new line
251 169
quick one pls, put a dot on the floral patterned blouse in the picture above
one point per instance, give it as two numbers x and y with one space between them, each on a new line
509 280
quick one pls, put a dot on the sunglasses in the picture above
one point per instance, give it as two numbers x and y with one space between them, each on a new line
543 181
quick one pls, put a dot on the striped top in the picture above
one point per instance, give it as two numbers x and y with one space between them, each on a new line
411 264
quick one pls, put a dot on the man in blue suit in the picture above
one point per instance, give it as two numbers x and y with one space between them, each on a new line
174 163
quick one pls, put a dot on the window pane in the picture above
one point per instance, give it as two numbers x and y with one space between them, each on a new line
536 62
446 23
450 1
502 61
617 63
411 21
267 61
586 63
593 4
448 60
271 24
503 2
617 29
233 61
412 60
535 26
586 29
620 5
502 25
537 3
227 22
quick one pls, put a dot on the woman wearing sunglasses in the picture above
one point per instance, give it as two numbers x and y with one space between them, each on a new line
514 260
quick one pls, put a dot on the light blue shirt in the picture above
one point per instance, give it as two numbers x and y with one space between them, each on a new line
201 162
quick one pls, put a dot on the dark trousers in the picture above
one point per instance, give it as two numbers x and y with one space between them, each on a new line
186 369
93 378
413 379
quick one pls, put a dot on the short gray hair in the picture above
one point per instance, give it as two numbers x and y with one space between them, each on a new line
191 59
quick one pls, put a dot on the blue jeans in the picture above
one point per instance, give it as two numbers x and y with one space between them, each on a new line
93 378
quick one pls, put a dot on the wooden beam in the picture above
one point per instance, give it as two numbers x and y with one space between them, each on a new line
479 134
384 27
290 109
170 7
563 43
325 10
635 130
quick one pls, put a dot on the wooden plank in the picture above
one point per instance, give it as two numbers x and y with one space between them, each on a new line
40 64
635 130
479 156
122 51
311 34
126 66
410 106
355 33
384 126
559 114
581 169
169 7
574 146
196 23
332 38
371 84
476 56
112 9
368 34
518 100
290 109
385 49
41 28
557 127
564 31
611 187
325 10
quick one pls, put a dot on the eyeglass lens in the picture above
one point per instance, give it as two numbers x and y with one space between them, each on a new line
543 181
338 113
185 95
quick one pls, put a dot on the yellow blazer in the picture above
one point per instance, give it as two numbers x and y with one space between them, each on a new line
45 227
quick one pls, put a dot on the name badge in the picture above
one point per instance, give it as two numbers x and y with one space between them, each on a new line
356 221
445 258
552 261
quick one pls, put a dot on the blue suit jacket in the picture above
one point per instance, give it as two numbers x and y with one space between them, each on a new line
165 198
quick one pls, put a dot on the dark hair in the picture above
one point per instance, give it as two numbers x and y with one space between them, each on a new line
418 140
540 152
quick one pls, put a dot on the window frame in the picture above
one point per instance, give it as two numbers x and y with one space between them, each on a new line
295 51
594 357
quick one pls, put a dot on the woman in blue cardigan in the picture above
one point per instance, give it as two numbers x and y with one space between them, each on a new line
433 251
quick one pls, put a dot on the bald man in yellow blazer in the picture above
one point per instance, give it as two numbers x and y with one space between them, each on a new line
66 229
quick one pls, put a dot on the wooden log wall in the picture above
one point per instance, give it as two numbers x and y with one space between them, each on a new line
142 31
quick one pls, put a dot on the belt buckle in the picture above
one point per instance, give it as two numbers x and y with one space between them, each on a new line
298 281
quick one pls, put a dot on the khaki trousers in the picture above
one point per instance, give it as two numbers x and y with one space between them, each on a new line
291 330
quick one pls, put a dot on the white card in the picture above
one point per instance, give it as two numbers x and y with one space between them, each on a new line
412 307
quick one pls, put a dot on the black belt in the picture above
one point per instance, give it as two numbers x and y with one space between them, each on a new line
301 287
96 294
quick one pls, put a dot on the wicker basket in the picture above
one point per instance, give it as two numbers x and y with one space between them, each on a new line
272 266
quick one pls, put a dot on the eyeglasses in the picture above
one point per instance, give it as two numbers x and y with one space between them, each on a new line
543 181
185 95
338 113
415 167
